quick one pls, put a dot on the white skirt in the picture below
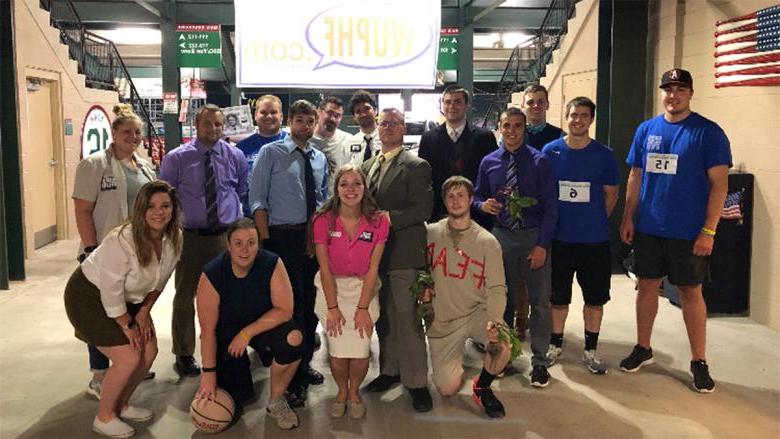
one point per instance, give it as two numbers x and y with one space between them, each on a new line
349 344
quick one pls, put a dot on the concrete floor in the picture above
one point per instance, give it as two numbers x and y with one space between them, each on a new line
43 374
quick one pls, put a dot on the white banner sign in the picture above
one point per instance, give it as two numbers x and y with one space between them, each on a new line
337 43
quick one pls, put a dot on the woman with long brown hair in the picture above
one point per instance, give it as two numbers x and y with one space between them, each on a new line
349 235
110 296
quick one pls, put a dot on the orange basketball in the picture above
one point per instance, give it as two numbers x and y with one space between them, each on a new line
213 416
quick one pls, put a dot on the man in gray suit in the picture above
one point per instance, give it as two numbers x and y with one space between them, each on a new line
401 184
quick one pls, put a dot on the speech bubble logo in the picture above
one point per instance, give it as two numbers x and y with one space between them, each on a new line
368 35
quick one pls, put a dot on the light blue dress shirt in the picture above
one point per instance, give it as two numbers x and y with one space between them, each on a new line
278 185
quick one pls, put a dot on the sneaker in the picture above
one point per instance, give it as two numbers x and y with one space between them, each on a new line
554 353
137 414
594 363
186 366
382 383
639 357
485 398
296 395
702 382
94 388
286 418
540 377
314 376
112 428
421 399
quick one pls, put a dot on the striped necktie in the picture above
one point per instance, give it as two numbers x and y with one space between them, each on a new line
511 184
212 215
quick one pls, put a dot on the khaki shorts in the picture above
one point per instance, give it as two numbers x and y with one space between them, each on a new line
447 352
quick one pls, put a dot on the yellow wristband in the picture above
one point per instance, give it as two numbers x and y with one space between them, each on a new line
708 232
243 334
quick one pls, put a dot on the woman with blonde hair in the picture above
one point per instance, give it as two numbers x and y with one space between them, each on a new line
349 235
109 299
105 188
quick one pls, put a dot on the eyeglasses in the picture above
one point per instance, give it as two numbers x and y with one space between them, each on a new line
390 124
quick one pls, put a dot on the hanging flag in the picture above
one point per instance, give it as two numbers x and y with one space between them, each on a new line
732 208
747 49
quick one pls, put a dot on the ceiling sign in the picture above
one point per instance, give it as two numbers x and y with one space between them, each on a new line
337 43
198 45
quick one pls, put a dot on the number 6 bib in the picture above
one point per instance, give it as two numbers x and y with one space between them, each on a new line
661 163
574 191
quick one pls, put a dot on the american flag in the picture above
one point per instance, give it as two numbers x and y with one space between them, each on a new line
732 208
747 49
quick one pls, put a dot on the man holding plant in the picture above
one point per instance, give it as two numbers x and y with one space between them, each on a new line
469 297
517 185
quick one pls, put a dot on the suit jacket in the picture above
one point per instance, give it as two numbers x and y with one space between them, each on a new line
436 148
405 192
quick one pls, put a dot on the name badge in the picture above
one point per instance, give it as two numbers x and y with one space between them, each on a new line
366 236
661 163
574 191
355 148
335 234
108 183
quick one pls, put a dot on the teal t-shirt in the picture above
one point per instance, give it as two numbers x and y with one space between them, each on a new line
675 158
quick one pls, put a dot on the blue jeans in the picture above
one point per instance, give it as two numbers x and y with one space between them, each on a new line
97 361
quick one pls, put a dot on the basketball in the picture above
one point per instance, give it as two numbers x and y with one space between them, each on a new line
213 416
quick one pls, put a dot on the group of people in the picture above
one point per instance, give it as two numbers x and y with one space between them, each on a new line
288 230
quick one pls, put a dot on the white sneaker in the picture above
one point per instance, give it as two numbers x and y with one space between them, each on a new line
137 414
94 388
112 428
554 353
286 418
594 363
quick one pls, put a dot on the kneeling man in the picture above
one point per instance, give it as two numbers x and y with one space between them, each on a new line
469 297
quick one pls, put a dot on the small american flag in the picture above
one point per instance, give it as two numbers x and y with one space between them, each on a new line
732 208
747 49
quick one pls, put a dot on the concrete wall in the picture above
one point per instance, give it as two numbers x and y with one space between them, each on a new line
39 54
682 35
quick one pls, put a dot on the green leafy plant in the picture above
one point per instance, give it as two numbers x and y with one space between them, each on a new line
424 310
516 205
509 335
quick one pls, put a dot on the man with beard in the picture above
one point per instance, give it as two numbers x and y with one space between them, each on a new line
210 177
289 182
328 138
366 143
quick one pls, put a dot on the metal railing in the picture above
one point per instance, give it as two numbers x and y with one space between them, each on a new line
99 61
527 64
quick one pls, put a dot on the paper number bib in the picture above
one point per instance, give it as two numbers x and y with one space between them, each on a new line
661 163
574 191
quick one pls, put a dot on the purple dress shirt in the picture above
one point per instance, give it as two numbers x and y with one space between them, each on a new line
535 178
183 168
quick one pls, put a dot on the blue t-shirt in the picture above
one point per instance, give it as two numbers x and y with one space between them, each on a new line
674 158
252 144
582 175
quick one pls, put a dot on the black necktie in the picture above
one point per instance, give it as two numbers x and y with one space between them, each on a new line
212 216
311 202
368 153
373 182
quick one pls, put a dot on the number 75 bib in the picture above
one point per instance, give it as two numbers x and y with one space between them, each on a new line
661 163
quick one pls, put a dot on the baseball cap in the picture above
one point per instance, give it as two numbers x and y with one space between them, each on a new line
676 76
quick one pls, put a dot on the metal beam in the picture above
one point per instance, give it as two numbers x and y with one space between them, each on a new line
149 7
170 74
486 11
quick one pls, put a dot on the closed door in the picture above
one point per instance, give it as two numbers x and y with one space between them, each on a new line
40 204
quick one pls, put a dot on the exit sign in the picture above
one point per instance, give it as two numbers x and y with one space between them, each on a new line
199 45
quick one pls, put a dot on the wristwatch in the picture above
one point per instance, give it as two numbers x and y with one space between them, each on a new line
130 325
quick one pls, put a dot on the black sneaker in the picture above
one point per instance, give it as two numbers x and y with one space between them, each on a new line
702 382
296 396
485 398
382 383
540 377
186 366
639 357
421 399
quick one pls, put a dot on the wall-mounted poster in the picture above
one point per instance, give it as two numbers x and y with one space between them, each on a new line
747 49
337 43
96 131
238 120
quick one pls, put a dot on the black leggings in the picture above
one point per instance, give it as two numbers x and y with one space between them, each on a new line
234 375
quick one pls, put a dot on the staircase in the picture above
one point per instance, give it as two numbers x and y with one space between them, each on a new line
99 61
528 64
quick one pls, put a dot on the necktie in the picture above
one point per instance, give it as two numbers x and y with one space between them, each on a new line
454 136
511 184
368 152
311 202
376 171
210 184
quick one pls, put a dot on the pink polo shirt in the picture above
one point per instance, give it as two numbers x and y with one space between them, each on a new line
350 257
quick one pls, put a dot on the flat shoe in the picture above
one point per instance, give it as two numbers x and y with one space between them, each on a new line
357 409
337 409
137 414
112 428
